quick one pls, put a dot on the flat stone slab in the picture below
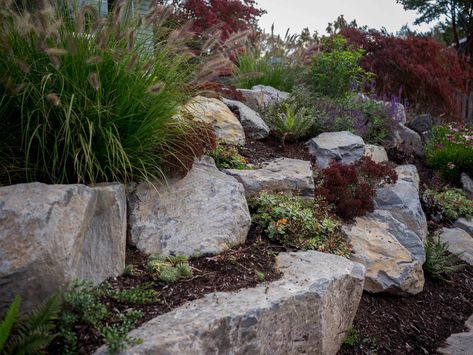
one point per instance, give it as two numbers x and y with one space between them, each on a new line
201 214
261 96
465 224
343 147
280 175
459 242
307 311
460 343
392 253
253 124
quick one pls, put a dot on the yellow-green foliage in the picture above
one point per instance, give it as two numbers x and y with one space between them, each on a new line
169 269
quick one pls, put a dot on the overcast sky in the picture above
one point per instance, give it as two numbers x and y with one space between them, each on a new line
316 14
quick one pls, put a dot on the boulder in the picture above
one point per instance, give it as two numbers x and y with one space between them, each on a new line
280 175
261 97
392 254
51 235
214 112
408 173
343 147
203 213
467 184
253 124
459 242
376 153
307 311
465 224
407 141
422 124
459 343
396 110
403 202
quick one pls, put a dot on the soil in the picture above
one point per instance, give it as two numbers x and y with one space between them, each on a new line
257 152
414 325
233 270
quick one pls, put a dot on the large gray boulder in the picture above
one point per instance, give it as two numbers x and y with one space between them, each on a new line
280 175
467 184
261 97
465 224
393 255
343 147
253 124
376 153
407 141
459 343
459 242
422 124
307 311
203 213
402 200
396 110
51 235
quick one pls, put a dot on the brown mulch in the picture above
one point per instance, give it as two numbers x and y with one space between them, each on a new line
233 270
257 152
414 325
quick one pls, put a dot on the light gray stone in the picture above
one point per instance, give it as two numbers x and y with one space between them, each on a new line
343 147
459 242
402 201
460 343
203 213
392 254
408 173
280 175
51 235
308 310
396 110
215 113
376 153
253 124
261 97
465 224
467 184
407 141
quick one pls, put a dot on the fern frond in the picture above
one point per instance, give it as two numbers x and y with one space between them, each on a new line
10 318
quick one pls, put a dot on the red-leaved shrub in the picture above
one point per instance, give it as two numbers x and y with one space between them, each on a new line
230 15
350 188
426 72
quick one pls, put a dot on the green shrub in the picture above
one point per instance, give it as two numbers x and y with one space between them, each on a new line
83 305
336 71
253 69
137 295
289 122
29 334
439 261
450 151
169 269
84 99
298 223
227 157
451 204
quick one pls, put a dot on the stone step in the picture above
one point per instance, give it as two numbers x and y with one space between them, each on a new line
307 311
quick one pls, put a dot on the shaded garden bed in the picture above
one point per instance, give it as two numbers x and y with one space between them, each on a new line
413 325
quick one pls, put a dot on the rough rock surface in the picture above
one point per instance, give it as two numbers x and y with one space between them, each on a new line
51 235
260 96
392 254
460 343
467 184
280 175
343 147
407 141
422 124
214 112
396 110
465 224
203 213
307 311
402 200
376 153
253 124
459 242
